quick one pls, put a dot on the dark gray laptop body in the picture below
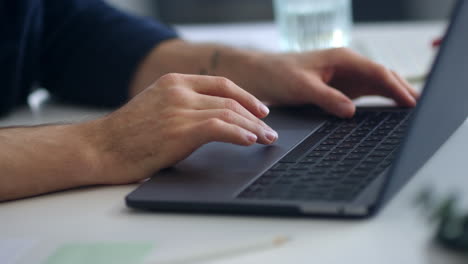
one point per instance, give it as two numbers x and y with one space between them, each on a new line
210 180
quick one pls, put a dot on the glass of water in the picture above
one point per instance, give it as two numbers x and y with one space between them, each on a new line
313 24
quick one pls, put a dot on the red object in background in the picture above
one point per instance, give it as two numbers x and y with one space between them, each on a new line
436 43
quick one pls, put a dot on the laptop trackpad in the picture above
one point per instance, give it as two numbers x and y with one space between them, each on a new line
219 169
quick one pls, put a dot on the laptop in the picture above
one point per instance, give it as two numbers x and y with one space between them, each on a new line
321 165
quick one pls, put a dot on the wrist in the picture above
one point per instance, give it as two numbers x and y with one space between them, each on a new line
115 152
90 162
245 68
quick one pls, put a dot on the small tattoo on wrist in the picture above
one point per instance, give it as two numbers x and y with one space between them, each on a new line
214 61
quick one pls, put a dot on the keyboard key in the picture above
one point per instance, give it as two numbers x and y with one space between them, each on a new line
324 148
346 146
382 133
324 164
333 158
339 151
301 167
353 140
330 142
374 159
355 157
310 160
358 135
317 154
337 136
345 130
391 141
397 136
369 144
375 138
386 147
361 150
379 154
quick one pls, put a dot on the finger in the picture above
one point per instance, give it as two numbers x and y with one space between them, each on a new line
385 83
406 84
395 89
217 130
333 101
222 87
265 135
380 79
203 102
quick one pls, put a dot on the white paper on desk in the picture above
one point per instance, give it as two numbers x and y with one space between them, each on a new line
11 250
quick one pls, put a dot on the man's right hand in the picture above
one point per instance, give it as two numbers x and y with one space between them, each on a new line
171 119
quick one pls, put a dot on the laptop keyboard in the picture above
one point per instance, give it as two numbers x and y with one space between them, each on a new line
335 163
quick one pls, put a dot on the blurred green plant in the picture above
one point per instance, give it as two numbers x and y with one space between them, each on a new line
452 224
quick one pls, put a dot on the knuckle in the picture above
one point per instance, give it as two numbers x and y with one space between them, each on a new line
232 105
175 134
214 124
223 83
175 93
227 115
170 78
381 71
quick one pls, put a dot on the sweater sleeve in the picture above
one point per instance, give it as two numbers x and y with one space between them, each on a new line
91 51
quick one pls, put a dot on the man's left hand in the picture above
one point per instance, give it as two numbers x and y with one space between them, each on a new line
329 78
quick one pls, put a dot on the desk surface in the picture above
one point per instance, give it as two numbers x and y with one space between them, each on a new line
399 234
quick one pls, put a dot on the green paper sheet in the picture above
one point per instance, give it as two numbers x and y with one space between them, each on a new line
100 253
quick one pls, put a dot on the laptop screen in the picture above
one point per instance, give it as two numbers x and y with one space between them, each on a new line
443 106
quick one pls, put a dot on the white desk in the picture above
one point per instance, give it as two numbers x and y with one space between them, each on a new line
399 234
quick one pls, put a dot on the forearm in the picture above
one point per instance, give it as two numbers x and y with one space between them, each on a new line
36 160
178 56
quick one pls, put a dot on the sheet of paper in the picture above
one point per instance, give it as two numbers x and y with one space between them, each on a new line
100 253
11 250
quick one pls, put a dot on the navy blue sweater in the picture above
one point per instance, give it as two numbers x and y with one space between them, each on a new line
82 51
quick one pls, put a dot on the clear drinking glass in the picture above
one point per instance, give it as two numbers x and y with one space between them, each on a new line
313 24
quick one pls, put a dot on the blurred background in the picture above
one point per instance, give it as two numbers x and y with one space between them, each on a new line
218 11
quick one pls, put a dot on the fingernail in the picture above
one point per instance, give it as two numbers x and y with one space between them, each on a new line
251 137
271 135
264 110
346 109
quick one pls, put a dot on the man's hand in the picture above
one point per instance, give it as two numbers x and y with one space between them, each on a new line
174 117
329 79
159 127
